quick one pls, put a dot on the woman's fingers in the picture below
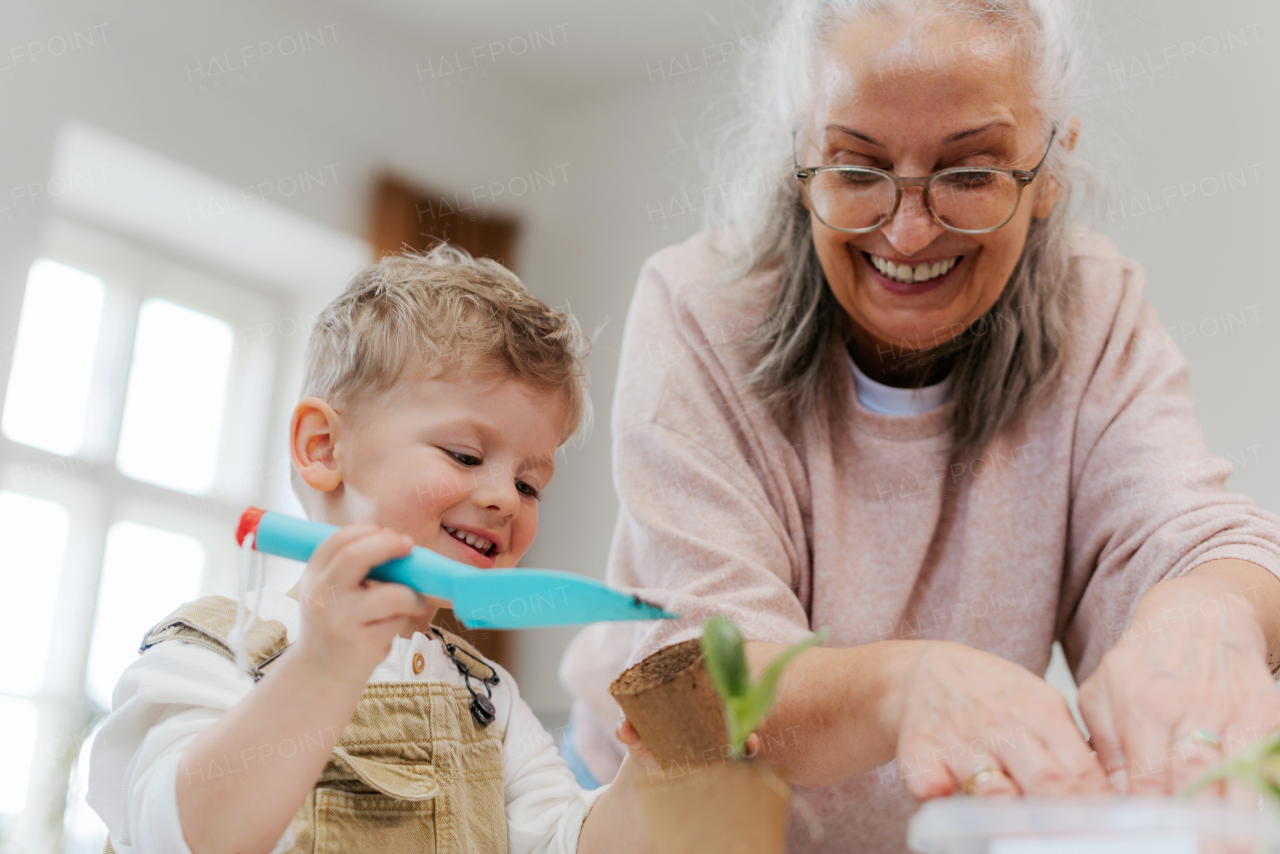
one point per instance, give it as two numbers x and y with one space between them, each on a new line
1083 769
991 781
1147 756
933 768
979 722
1038 771
928 783
1095 708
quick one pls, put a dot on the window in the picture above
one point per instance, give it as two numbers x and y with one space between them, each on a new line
33 538
146 573
18 720
56 338
135 427
173 408
150 314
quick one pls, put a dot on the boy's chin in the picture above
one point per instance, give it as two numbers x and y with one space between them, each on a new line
438 604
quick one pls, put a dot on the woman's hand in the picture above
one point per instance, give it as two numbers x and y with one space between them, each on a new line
962 711
1190 671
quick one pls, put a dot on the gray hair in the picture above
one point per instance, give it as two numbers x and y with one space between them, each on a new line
1007 357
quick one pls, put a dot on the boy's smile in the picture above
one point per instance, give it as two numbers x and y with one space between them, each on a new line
456 464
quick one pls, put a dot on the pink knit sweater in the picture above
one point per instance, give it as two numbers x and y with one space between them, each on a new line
1055 532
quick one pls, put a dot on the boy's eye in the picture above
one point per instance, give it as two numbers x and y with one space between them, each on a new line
465 459
526 489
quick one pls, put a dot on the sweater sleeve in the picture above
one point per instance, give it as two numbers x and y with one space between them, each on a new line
1149 501
707 525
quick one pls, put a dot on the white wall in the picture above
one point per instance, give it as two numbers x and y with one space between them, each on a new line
1189 90
359 104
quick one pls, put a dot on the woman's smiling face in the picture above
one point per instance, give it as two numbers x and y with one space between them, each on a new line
912 96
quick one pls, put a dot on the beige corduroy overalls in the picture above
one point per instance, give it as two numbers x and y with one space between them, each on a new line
413 771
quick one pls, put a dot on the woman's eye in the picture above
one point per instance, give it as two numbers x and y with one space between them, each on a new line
525 489
465 459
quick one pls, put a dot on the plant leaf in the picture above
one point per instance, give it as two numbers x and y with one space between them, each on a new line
761 695
726 662
1254 767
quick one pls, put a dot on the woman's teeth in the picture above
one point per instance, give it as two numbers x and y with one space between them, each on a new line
480 544
907 274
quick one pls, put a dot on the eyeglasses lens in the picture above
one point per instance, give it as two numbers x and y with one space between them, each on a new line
967 200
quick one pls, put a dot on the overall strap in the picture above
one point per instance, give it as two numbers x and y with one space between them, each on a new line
472 666
465 654
208 621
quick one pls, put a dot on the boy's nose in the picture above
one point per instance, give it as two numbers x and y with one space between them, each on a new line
502 500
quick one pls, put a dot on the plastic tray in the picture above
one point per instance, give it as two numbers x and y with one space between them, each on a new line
1094 825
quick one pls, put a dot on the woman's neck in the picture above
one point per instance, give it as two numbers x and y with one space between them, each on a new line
891 366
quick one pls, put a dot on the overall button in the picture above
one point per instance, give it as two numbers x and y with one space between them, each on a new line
419 663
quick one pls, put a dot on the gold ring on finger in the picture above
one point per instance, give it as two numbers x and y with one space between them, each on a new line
981 775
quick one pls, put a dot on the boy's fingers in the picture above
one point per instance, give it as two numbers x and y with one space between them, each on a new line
341 537
627 733
386 601
352 561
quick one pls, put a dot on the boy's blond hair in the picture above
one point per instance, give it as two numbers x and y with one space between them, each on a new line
449 314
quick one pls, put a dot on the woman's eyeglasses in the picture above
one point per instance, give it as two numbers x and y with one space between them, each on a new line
965 199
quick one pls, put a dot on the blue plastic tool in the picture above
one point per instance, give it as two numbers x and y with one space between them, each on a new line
489 599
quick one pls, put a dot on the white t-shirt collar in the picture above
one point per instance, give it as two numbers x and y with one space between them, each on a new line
888 400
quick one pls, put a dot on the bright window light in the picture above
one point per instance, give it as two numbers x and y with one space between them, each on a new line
146 573
177 387
33 537
18 742
83 831
48 394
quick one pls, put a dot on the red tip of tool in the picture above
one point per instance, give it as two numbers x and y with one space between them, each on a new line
248 524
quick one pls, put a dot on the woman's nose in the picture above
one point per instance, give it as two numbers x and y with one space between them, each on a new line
912 228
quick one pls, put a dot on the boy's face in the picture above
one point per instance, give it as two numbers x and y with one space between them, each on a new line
456 464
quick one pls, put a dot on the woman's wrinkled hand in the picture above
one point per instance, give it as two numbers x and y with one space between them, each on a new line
1187 684
963 711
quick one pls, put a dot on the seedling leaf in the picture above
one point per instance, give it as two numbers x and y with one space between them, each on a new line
1257 767
725 660
745 703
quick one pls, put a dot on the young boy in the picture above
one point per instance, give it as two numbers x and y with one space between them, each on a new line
436 393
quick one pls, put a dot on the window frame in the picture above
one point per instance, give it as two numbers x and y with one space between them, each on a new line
250 464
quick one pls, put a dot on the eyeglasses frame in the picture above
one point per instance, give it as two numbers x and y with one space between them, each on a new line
1021 177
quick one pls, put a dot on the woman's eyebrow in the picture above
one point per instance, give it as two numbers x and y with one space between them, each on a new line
965 134
955 137
852 132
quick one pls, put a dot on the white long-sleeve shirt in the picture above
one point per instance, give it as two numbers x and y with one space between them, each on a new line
176 690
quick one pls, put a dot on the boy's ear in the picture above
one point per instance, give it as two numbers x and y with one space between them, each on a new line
313 444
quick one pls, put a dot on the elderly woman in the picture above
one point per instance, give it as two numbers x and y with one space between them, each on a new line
903 398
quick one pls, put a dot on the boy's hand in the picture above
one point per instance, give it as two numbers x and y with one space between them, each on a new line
641 758
348 622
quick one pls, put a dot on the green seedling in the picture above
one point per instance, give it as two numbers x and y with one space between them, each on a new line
1257 767
745 703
